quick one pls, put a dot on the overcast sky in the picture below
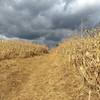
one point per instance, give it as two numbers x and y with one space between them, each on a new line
46 21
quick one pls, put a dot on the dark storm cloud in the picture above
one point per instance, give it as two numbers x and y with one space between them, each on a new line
46 20
69 15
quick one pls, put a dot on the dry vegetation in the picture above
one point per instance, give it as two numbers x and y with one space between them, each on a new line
69 72
20 49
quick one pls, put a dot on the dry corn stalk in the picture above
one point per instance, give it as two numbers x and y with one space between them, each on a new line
87 66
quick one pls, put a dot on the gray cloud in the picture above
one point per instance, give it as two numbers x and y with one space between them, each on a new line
47 21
